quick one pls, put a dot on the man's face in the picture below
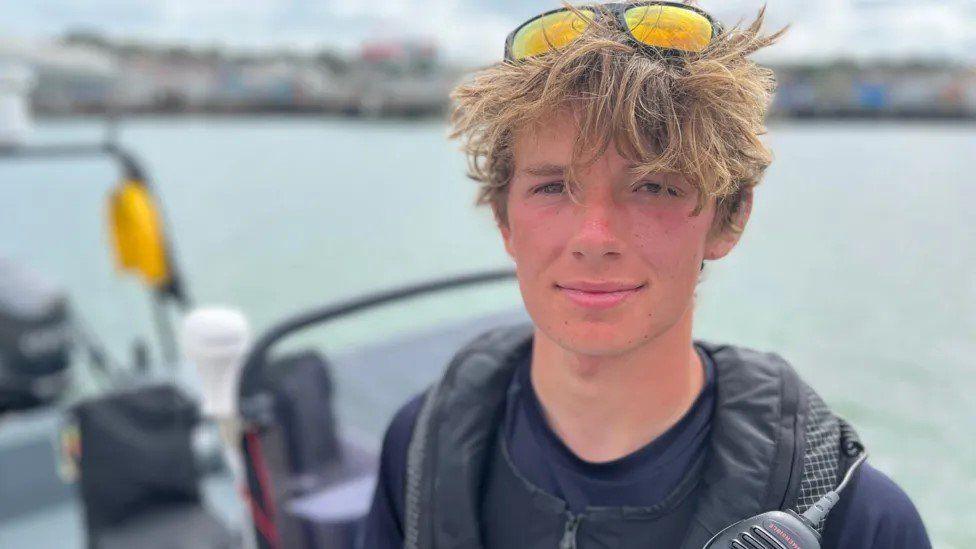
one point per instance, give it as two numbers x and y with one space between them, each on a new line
628 234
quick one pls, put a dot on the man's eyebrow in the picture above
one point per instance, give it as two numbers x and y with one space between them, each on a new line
544 170
636 168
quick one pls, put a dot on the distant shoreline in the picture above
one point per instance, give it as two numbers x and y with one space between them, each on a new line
824 115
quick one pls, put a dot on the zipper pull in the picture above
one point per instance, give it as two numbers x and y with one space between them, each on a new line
569 534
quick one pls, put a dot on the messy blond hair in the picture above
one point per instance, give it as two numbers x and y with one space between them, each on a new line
700 116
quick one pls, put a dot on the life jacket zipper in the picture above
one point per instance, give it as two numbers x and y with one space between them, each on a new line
569 533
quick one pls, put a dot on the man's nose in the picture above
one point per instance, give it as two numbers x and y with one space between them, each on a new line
596 235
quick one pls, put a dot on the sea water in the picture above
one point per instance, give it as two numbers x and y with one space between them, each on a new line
857 265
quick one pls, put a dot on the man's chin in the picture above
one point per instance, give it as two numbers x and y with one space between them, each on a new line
597 339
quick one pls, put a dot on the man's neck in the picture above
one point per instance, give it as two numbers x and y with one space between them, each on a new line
606 407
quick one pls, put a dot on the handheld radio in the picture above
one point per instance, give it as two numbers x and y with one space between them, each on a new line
783 529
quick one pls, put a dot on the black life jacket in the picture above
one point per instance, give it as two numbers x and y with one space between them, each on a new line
774 445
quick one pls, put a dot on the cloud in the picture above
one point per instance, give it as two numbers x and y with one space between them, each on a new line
466 29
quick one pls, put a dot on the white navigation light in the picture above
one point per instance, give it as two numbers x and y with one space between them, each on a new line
216 341
16 82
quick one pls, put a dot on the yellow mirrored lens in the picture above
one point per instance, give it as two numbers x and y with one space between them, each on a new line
548 33
669 27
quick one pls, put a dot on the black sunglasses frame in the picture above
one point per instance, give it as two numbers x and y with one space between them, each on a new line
618 11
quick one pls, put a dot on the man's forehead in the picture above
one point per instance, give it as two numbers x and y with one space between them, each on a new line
548 147
533 143
550 150
547 168
562 122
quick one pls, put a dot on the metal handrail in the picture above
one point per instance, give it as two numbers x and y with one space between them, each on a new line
257 356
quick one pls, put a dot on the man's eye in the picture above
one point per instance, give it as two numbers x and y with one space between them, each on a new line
656 188
548 188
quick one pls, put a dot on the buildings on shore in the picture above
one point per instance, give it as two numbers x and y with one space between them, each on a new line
879 90
86 74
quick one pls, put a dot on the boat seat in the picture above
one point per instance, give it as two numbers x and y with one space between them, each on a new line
180 526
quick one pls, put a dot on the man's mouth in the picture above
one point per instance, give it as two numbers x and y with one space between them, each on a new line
598 295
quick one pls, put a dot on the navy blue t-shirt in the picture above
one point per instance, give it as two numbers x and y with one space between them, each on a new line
873 512
642 478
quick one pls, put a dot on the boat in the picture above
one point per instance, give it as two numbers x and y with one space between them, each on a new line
253 451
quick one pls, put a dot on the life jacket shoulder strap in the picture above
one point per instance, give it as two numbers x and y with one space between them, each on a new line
452 438
830 445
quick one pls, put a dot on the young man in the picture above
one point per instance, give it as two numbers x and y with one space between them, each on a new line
618 147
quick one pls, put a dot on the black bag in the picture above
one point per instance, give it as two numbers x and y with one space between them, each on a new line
138 473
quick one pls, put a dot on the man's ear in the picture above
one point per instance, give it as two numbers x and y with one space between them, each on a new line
721 243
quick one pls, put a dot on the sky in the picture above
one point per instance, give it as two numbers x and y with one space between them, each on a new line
470 30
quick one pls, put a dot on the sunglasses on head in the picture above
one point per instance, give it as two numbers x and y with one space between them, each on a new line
670 28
